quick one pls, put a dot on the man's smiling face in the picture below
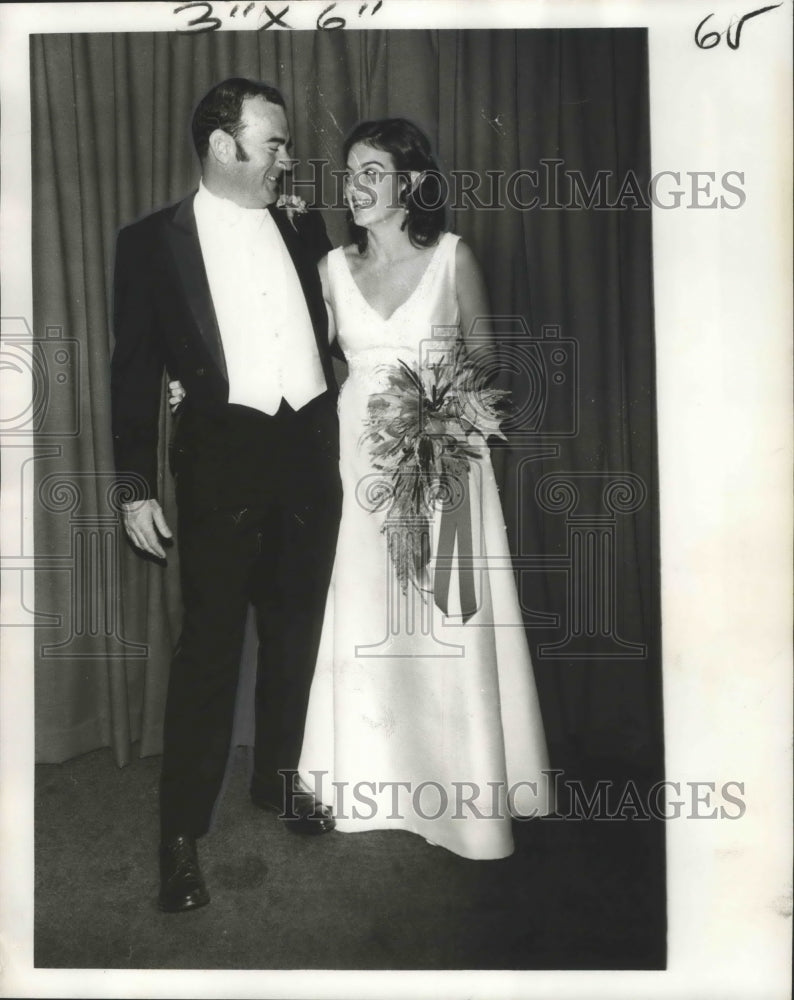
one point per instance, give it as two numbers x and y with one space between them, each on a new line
261 153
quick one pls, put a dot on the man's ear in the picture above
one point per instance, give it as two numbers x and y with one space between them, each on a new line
221 146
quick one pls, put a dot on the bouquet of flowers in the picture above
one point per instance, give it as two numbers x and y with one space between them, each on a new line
419 432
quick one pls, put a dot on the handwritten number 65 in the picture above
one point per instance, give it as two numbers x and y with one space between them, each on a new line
711 38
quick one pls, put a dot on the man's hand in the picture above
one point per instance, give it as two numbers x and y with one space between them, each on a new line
176 393
145 524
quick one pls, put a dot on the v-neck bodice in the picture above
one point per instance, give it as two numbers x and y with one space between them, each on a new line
368 339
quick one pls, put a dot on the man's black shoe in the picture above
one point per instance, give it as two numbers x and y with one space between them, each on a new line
181 882
301 813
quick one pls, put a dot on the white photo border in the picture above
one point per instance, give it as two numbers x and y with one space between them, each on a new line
723 320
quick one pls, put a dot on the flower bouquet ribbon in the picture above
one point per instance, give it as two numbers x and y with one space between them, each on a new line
455 523
424 430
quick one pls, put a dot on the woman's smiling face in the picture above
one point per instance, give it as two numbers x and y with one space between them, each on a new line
372 187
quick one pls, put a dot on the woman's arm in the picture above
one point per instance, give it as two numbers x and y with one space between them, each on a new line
472 300
322 267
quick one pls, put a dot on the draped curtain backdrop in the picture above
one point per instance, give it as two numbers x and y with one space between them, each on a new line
111 143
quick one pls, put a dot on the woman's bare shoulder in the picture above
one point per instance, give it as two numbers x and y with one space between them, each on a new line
465 260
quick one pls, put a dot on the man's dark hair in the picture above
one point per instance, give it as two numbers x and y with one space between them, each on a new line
222 108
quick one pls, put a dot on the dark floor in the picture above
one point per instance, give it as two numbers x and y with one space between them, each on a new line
575 895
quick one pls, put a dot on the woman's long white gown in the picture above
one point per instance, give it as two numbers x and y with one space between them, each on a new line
417 721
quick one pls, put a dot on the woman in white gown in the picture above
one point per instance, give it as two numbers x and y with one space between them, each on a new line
418 720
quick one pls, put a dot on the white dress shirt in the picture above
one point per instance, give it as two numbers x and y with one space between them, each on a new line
266 331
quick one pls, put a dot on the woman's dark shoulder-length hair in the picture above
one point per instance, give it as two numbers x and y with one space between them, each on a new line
410 149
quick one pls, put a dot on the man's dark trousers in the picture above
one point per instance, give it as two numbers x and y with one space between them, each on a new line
258 501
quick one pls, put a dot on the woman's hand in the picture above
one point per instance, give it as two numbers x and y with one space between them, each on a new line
176 393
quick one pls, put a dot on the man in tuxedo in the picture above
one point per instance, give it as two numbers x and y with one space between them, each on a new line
222 290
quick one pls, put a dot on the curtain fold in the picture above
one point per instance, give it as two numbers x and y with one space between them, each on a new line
578 481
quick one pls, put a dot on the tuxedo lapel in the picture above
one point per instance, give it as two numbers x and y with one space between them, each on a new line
183 239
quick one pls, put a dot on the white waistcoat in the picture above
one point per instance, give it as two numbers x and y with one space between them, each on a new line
266 331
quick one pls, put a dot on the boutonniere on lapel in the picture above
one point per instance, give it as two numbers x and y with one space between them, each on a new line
292 205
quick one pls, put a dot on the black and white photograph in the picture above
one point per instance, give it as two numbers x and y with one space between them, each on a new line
396 442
